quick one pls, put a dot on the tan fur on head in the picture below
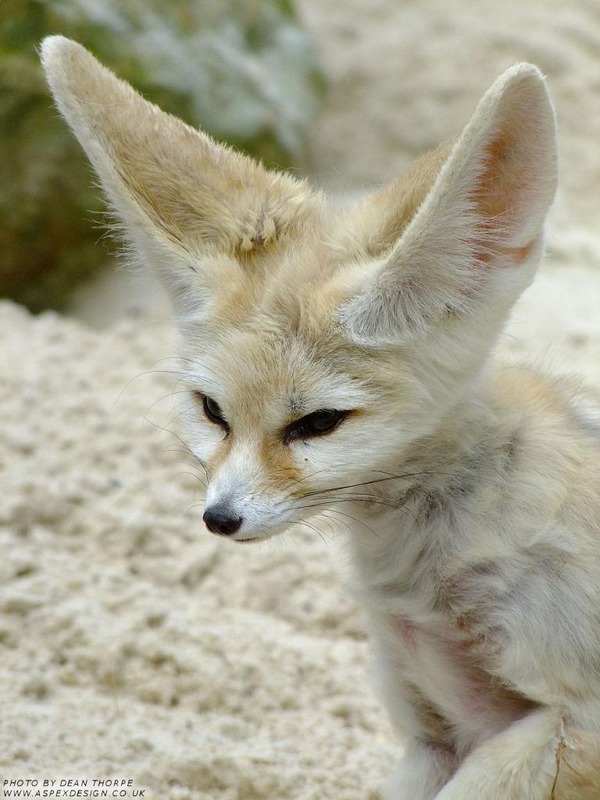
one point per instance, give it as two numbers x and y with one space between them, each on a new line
340 361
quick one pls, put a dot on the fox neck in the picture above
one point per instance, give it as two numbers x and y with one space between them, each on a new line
413 527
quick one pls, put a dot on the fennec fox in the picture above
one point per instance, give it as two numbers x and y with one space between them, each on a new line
340 359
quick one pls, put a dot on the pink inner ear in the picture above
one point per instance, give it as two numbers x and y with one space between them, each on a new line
505 196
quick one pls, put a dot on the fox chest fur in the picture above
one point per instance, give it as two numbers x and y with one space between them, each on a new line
469 554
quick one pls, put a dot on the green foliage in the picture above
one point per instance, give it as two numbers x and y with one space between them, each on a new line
243 70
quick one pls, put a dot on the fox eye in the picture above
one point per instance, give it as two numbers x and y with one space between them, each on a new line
319 423
213 411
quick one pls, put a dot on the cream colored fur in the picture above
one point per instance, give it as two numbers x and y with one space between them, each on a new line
471 491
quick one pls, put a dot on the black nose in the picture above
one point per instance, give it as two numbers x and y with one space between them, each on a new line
220 520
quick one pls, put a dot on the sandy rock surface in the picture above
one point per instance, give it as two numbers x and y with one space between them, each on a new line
133 645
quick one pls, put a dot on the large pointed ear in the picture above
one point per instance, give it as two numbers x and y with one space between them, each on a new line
179 195
466 226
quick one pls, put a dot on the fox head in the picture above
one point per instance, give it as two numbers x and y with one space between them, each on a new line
320 344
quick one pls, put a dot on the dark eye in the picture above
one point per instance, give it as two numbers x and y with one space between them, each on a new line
319 423
213 411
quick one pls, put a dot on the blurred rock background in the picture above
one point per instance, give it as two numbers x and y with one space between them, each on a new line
246 72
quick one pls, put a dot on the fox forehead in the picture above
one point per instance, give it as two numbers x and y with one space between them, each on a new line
271 341
299 279
264 375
